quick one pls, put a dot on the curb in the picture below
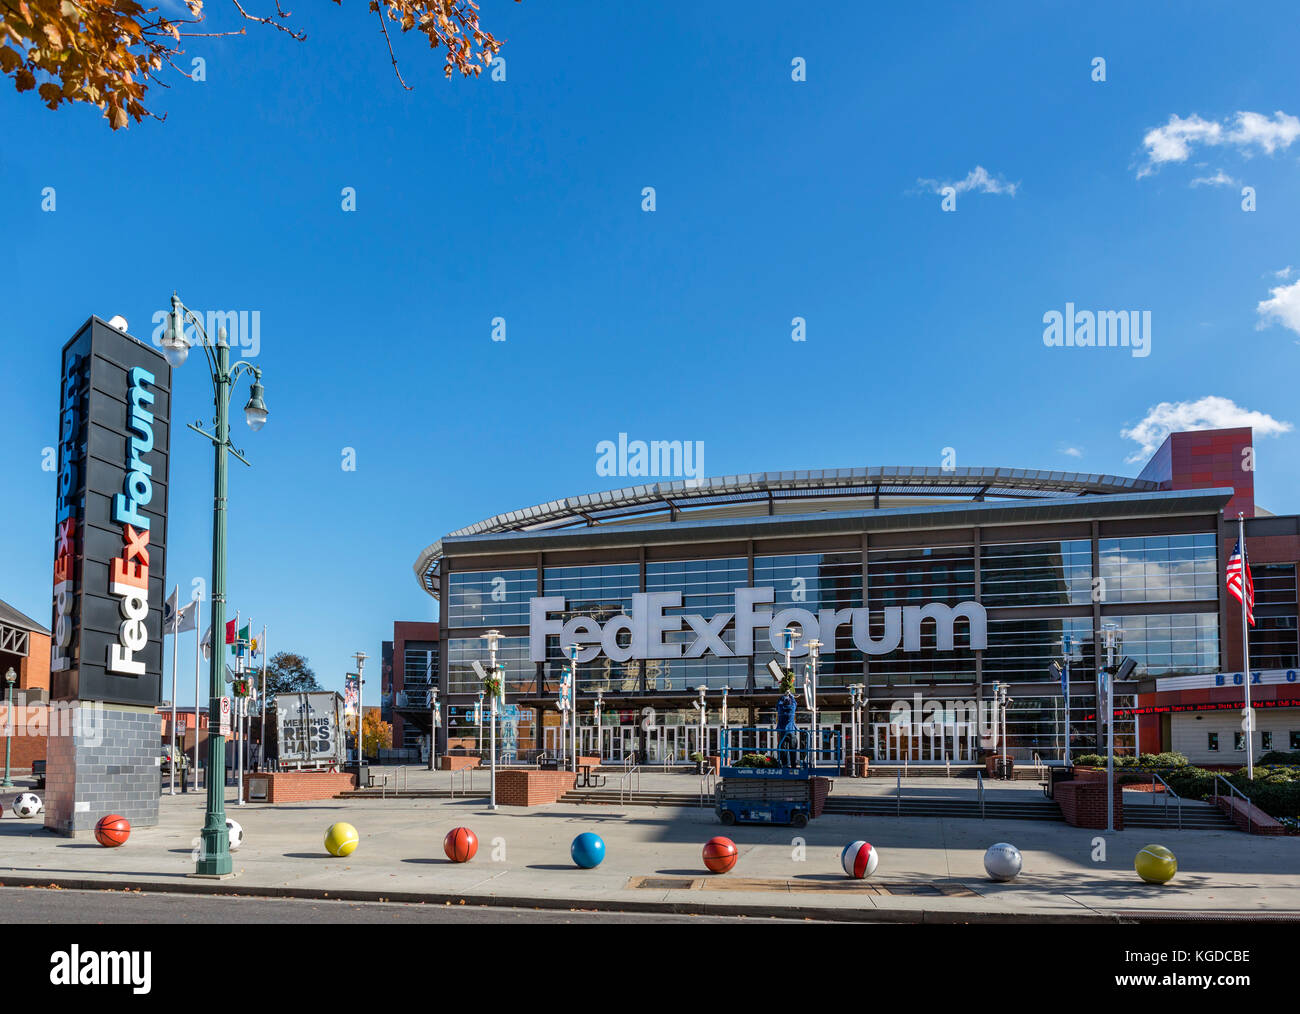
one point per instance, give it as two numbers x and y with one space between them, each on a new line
228 889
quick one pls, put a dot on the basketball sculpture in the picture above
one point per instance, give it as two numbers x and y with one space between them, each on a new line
1155 864
235 832
460 844
1002 862
112 831
587 850
859 859
27 804
341 839
720 854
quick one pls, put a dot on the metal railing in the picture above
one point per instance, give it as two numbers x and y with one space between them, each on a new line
1234 791
631 780
979 791
898 792
1038 765
466 777
708 785
1167 793
399 780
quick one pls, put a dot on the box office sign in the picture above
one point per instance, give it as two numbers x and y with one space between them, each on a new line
110 519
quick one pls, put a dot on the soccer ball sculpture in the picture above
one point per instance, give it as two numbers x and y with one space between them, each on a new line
27 804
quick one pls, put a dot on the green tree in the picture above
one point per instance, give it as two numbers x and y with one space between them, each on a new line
288 673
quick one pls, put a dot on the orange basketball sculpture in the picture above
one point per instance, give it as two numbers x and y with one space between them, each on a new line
460 844
720 854
112 831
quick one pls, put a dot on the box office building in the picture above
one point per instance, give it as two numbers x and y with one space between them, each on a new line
928 588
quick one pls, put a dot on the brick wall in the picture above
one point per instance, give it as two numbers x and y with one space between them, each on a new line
106 761
1083 802
1259 821
516 787
30 731
297 786
457 763
35 668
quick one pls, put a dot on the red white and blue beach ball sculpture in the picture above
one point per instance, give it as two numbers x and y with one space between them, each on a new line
859 859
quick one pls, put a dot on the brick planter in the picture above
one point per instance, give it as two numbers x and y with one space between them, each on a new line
457 763
296 786
1083 803
523 787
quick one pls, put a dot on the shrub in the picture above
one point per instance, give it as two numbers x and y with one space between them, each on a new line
1281 757
1171 759
1090 760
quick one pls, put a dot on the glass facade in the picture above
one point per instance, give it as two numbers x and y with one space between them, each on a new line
1159 568
1023 650
489 598
512 652
812 581
1036 574
1174 644
1273 641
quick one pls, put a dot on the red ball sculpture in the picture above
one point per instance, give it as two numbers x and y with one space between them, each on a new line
460 844
112 831
720 854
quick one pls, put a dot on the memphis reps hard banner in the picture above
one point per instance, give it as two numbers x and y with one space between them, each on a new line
110 519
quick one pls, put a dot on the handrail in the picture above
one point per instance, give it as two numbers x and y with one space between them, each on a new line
708 784
1236 791
1038 765
898 791
1169 791
632 773
979 791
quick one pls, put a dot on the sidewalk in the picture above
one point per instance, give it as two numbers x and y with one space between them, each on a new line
930 869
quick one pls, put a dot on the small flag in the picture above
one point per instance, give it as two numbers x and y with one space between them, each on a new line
237 647
207 642
1239 564
188 618
230 631
169 611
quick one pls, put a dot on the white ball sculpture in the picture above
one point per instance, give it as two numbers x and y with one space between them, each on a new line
235 830
1002 862
27 804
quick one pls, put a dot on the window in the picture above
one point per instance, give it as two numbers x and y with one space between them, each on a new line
1239 741
1267 738
1213 744
1295 740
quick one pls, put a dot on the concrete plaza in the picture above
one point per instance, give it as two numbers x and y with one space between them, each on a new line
930 869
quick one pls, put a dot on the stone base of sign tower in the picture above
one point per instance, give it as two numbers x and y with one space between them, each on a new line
102 759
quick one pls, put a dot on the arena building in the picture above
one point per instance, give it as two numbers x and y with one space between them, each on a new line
929 589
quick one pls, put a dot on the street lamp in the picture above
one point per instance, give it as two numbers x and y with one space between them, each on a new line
573 689
814 654
11 678
435 713
214 853
596 708
856 695
493 637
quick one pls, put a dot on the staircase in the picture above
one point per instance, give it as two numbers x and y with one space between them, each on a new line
1197 816
938 806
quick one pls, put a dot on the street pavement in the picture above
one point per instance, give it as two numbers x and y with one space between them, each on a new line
930 869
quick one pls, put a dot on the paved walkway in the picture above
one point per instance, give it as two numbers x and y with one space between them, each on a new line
929 869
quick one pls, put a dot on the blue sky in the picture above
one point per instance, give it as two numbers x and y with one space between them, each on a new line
775 199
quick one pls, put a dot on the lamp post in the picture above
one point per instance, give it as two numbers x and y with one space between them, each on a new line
814 653
702 707
564 713
573 689
1067 653
214 853
1114 637
11 678
360 657
492 637
596 708
435 712
855 716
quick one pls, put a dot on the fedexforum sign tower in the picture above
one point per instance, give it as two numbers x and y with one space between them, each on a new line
110 541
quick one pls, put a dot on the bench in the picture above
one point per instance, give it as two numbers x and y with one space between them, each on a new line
38 770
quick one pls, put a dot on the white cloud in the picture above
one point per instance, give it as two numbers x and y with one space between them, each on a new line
1208 413
1283 272
1219 179
1282 308
1073 452
978 180
1247 132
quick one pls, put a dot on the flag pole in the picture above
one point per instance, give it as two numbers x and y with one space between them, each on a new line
261 759
176 626
198 646
1248 715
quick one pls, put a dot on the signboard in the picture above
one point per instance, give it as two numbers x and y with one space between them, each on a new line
110 520
644 630
310 727
350 687
1258 677
224 730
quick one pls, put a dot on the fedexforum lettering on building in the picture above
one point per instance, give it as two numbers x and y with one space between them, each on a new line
951 587
645 628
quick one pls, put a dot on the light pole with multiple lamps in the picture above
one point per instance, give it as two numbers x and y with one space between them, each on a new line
11 678
214 852
814 653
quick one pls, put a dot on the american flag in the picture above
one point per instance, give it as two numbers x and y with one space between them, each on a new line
1238 563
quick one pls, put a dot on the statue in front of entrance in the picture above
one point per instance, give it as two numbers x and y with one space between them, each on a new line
787 745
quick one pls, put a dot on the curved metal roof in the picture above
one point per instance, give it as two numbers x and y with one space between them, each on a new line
593 509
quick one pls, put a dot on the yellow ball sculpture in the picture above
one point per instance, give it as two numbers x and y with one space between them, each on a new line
341 839
1155 864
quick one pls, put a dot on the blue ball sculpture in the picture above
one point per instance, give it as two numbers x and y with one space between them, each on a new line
588 850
